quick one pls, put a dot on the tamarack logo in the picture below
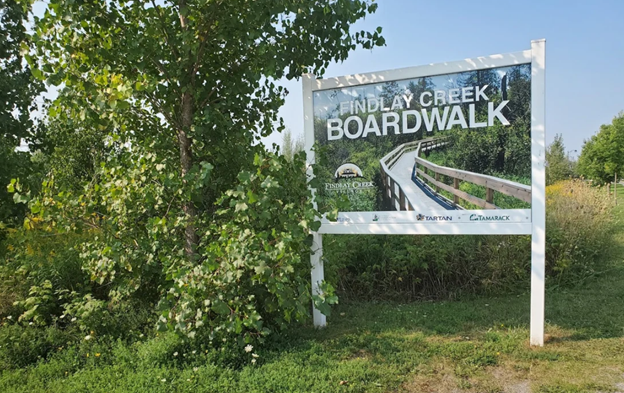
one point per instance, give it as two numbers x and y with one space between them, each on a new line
479 217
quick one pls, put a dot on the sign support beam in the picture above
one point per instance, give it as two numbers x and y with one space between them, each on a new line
318 275
538 203
316 256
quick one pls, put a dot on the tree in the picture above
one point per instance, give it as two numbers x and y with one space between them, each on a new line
18 90
187 206
192 62
603 154
291 147
558 166
498 150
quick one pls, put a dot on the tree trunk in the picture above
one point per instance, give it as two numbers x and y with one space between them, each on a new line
186 153
186 161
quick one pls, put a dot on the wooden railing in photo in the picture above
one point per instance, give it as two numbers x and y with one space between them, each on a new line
392 188
491 184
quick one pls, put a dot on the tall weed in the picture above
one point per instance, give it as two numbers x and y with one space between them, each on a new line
579 225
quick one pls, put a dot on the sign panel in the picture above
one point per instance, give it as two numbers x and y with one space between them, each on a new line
445 145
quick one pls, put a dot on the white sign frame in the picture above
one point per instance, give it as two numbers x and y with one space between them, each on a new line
535 226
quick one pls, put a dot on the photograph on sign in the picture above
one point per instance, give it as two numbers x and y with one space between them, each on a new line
433 149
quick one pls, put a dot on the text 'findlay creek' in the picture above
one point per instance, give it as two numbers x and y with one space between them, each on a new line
410 121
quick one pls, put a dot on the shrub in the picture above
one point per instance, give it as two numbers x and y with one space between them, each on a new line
425 267
43 284
108 263
24 345
254 277
578 224
39 267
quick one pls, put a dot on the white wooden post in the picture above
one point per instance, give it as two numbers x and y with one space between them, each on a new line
538 200
316 257
318 275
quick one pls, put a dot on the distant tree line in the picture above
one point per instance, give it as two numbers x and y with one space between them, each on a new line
602 157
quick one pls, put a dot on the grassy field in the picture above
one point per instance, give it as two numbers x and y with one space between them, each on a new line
620 193
476 345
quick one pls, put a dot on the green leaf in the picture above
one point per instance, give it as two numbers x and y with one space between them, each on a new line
220 307
37 73
244 177
252 197
19 198
262 268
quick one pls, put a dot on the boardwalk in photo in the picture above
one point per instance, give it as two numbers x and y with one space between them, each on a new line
413 183
420 198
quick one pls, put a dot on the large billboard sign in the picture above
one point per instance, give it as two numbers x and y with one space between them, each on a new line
443 148
452 148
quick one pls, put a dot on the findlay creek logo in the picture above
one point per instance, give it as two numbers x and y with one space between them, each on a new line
422 217
348 171
349 180
480 217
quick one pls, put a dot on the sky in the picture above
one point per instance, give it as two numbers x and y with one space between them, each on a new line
584 53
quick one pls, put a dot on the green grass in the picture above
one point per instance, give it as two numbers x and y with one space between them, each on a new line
473 345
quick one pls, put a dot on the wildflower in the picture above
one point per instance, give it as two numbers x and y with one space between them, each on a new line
253 361
73 319
10 317
163 380
97 355
195 369
254 355
88 337
175 354
87 355
248 348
